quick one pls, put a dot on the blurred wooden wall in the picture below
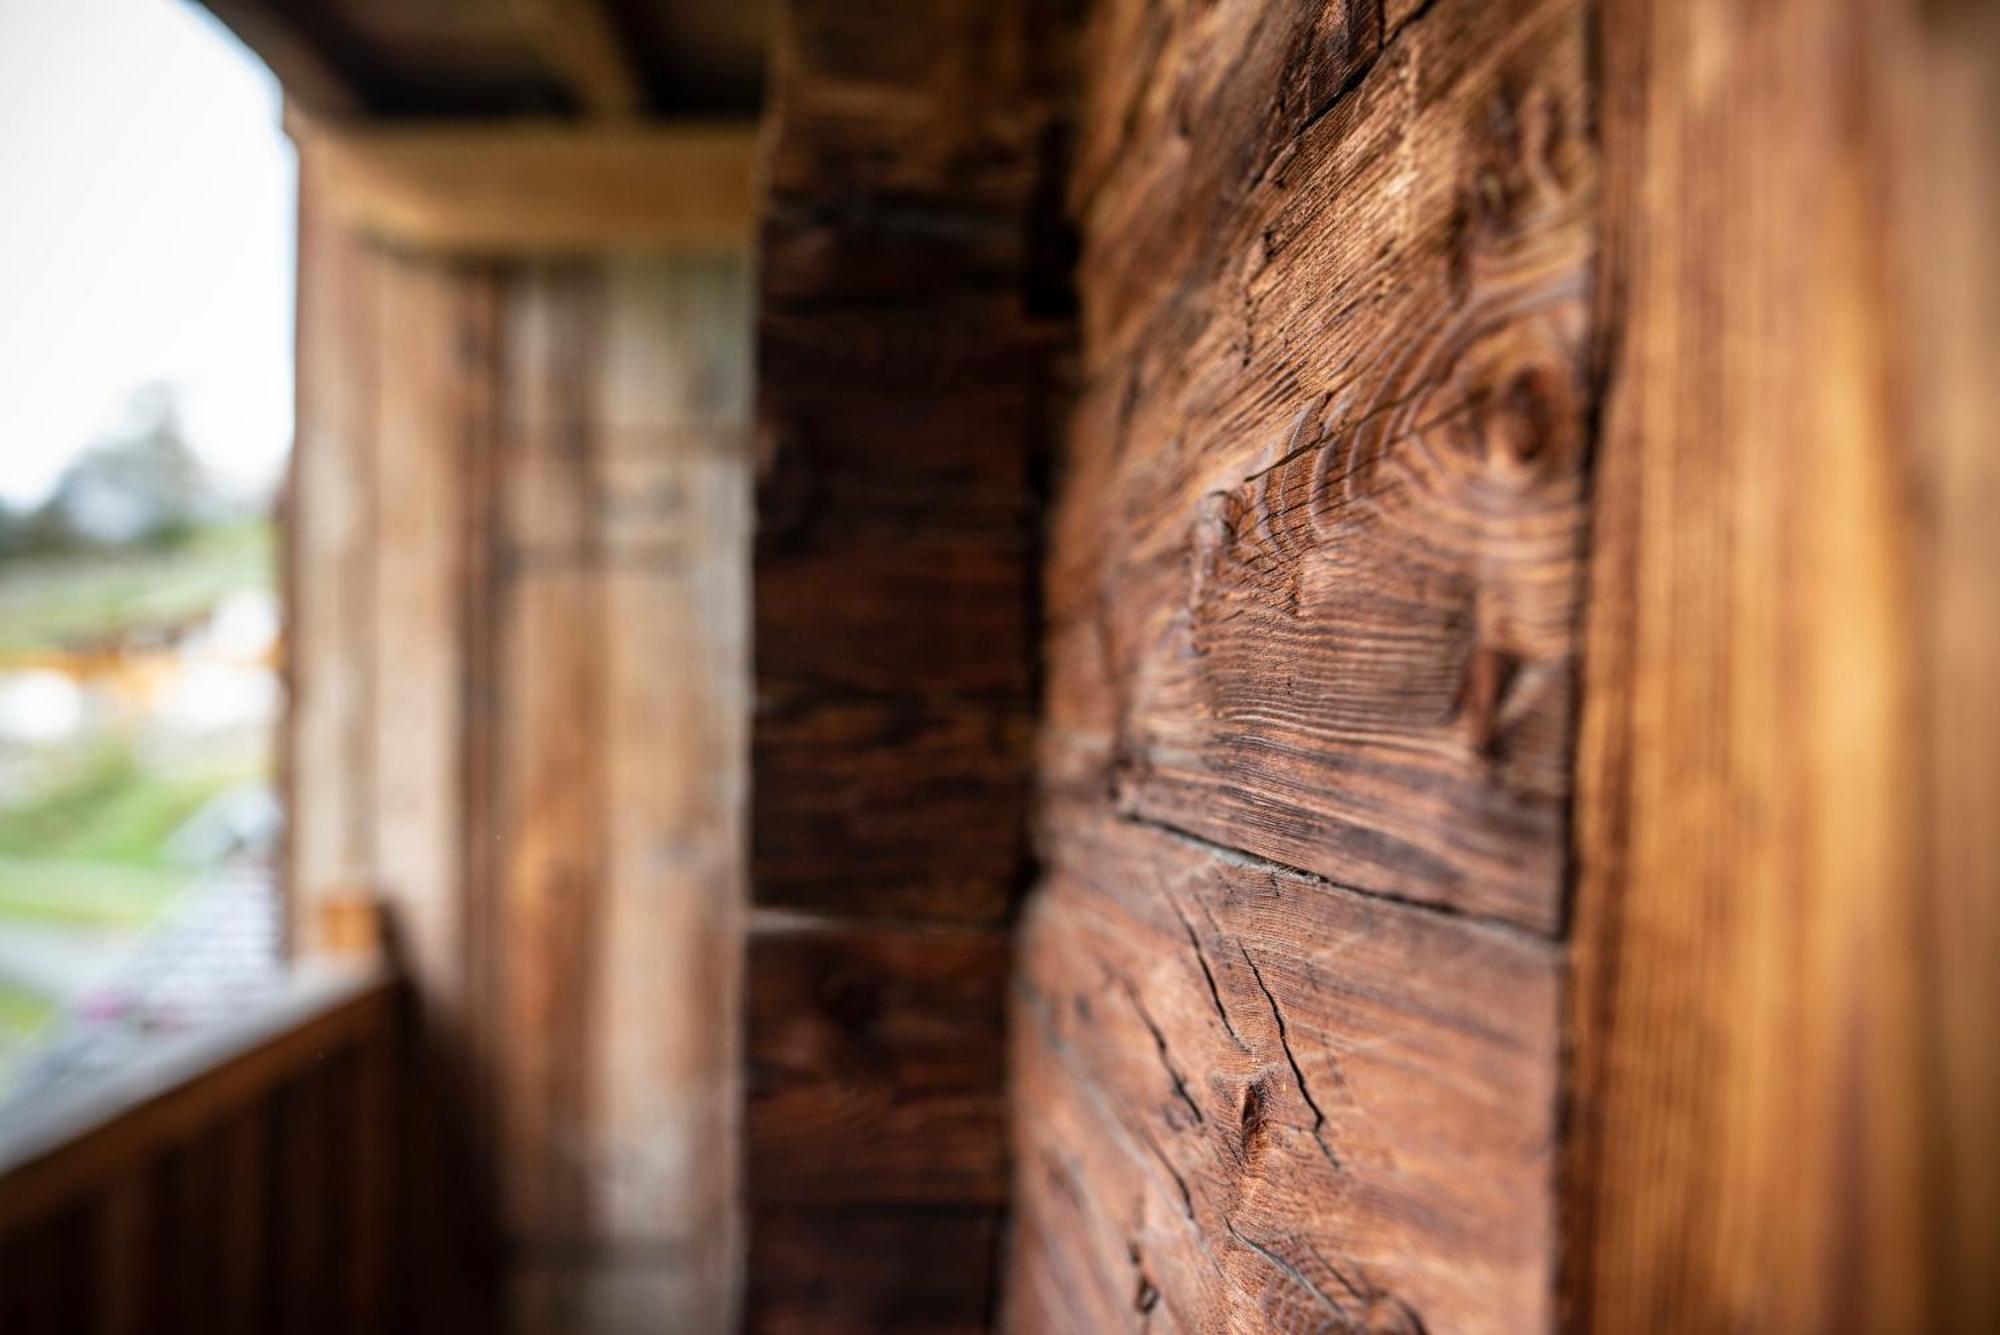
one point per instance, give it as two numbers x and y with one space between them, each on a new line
903 409
518 561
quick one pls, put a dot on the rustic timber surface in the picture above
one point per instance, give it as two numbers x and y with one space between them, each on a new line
1788 930
519 541
903 391
1286 1032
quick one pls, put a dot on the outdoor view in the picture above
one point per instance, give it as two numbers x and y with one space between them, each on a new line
145 325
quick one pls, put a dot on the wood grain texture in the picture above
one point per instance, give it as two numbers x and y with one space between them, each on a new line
905 363
875 1065
329 574
846 1271
535 189
1286 1042
521 586
1252 1100
912 795
625 494
1785 905
1326 496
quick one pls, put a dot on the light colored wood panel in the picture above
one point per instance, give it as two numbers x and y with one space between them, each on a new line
534 189
329 561
675 683
1785 940
417 549
552 825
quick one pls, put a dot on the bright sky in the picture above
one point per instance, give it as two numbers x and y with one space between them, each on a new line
145 234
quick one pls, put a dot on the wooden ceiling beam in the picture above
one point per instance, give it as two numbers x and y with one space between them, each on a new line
578 41
538 189
309 79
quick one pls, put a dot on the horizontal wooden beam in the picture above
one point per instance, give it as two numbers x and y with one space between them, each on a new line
515 190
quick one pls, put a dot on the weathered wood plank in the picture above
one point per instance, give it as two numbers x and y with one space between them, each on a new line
924 803
535 190
413 820
1247 1091
874 1271
1781 946
874 1058
1329 500
904 383
673 395
625 487
329 517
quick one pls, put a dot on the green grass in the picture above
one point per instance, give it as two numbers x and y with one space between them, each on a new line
86 894
48 606
22 1013
113 810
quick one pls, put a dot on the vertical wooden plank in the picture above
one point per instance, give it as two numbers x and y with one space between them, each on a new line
242 1229
298 1218
122 1264
1779 953
1951 136
52 1274
623 668
416 546
551 811
673 406
367 1122
329 537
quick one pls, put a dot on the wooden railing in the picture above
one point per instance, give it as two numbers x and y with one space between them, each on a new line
237 1179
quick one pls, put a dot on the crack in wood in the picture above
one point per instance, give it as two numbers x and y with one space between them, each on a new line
1214 992
1160 1043
1298 1073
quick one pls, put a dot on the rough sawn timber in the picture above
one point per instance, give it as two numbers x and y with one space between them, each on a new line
1286 1044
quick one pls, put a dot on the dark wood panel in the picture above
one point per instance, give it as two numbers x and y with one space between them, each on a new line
863 1271
211 1183
905 380
893 810
1245 1090
874 1064
910 100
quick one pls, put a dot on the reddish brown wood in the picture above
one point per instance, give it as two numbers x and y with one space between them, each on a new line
1313 585
903 368
874 1065
845 1271
1788 916
1327 477
1245 1091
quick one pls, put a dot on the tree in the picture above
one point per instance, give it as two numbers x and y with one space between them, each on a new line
142 486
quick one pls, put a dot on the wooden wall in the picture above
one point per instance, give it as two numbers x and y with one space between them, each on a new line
1432 351
519 527
901 389
1788 935
1286 1030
